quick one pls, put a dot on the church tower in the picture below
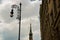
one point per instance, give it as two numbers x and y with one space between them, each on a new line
30 34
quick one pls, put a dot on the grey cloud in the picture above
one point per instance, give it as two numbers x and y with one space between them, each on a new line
28 10
33 0
12 34
7 35
5 13
0 1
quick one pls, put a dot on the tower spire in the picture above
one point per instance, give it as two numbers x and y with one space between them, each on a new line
30 28
30 33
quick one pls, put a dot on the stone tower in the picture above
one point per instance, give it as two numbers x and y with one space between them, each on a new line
30 34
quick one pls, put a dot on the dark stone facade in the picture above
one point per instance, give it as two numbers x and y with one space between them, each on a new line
50 20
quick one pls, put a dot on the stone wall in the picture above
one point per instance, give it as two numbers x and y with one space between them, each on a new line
50 20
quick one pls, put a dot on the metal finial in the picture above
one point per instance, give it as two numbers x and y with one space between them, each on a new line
20 4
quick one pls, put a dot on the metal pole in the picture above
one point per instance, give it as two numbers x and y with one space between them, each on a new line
19 30
19 23
19 18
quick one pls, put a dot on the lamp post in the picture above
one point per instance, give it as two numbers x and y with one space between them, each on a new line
18 16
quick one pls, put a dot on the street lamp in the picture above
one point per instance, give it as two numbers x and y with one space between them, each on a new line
18 16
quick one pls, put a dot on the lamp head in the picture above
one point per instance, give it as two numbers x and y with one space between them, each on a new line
11 13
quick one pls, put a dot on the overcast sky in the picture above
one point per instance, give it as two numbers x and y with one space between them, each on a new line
30 14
